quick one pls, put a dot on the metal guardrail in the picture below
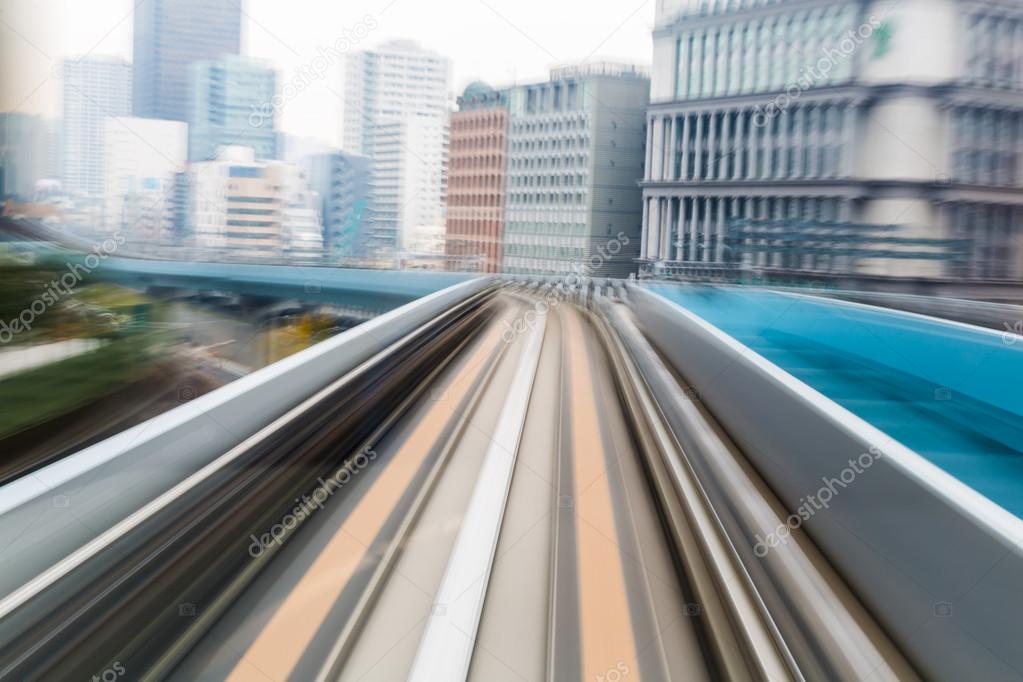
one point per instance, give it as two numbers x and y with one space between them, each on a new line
933 560
74 500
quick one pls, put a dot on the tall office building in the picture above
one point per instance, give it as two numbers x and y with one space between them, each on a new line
477 182
396 113
575 155
342 181
143 156
169 36
796 134
94 88
23 153
229 104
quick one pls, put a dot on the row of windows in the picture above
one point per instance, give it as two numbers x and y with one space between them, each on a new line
707 7
547 198
538 251
547 125
803 49
549 144
991 233
489 121
549 180
469 146
533 231
993 53
552 97
556 162
473 201
988 146
704 223
801 142
475 183
476 162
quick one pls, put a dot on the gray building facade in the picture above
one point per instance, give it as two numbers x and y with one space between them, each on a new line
906 118
575 157
169 36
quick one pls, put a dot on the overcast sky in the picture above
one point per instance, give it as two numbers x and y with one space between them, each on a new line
500 41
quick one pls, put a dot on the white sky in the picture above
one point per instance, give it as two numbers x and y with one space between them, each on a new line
500 41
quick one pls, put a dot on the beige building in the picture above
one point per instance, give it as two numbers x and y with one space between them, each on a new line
251 209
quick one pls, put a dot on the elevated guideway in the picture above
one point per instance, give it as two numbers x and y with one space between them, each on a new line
904 425
509 480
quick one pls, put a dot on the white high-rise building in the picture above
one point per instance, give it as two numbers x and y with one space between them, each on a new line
95 88
142 157
396 113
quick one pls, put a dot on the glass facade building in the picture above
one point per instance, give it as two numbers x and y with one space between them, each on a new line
169 36
231 104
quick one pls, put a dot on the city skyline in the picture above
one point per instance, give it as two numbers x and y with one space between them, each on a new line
290 41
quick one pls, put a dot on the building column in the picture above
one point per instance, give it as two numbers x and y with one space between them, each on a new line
813 169
694 230
850 120
713 157
752 145
727 153
708 226
645 231
649 148
698 149
681 229
740 146
698 43
673 149
719 247
662 246
654 237
683 173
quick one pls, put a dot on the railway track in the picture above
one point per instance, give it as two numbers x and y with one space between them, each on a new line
513 491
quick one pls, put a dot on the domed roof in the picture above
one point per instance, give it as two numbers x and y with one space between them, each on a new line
477 88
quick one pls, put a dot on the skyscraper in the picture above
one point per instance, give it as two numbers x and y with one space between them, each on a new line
169 36
396 113
229 104
94 88
575 156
